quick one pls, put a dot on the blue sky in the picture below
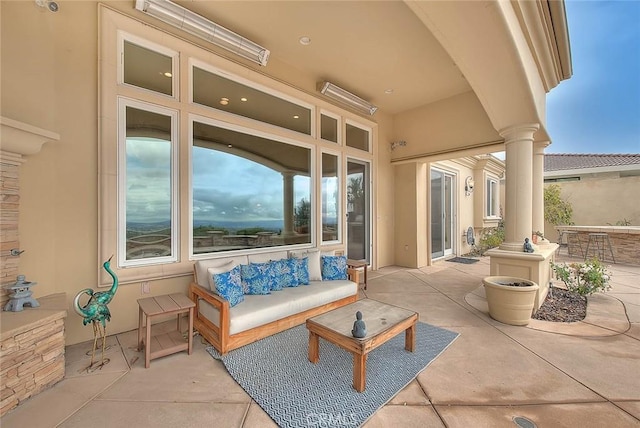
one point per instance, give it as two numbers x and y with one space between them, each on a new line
598 109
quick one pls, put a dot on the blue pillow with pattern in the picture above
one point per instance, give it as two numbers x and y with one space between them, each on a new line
334 267
228 286
302 270
257 278
286 273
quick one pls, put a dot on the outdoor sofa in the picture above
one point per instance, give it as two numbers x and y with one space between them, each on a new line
227 326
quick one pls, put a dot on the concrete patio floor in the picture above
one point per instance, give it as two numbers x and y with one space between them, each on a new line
555 375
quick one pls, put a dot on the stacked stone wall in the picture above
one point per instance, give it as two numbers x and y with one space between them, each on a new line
9 210
31 360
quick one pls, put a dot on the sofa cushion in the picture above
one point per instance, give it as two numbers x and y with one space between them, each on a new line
257 278
334 268
259 310
228 286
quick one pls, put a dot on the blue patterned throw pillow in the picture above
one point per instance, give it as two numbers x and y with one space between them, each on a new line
257 278
286 275
334 268
228 286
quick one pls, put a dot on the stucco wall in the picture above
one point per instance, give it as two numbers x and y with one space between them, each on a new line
50 80
600 201
458 121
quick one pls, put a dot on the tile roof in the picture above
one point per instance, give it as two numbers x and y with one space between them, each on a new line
561 162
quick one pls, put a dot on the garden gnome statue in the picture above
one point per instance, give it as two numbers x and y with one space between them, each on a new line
528 248
359 328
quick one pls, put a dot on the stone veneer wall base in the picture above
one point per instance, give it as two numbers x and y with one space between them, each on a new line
32 345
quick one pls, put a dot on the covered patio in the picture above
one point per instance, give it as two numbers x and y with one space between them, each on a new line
582 374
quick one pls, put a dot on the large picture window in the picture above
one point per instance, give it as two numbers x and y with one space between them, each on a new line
249 191
201 159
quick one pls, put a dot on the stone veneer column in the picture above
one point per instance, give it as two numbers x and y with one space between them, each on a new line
519 189
538 186
10 198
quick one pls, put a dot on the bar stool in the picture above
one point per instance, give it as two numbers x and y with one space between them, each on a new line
601 242
573 243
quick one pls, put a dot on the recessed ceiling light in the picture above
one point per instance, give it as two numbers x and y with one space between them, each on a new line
305 40
167 74
224 101
230 145
243 99
388 91
296 117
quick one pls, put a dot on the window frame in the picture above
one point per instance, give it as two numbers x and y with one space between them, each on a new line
193 62
114 24
369 130
262 134
492 210
339 121
123 103
122 37
339 209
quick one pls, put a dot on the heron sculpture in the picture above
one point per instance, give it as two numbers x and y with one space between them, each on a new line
96 312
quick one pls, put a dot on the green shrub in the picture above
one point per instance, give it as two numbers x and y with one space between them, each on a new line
492 238
583 278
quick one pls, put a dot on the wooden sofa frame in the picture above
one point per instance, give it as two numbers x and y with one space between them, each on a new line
224 342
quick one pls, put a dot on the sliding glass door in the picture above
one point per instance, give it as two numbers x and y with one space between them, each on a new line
442 213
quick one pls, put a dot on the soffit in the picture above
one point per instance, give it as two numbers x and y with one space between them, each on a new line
365 47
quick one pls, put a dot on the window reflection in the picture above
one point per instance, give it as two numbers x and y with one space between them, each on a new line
215 91
330 197
148 187
357 138
248 191
328 128
147 69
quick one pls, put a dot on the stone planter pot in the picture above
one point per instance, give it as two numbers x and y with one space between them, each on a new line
507 303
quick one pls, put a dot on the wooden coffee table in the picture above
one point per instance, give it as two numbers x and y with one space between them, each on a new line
383 323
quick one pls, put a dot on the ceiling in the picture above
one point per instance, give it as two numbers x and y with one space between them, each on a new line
367 47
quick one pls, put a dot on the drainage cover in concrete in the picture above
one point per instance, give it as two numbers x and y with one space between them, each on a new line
523 422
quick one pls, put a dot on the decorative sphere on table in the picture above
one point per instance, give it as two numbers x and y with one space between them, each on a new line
359 327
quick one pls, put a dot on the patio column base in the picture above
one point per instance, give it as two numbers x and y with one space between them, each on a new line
534 266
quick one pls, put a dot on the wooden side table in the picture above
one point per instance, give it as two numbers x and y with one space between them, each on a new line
168 343
357 264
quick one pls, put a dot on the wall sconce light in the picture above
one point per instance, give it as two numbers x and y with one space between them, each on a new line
191 22
49 4
468 185
397 144
345 97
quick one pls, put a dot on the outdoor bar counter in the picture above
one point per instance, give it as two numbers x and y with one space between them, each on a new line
625 241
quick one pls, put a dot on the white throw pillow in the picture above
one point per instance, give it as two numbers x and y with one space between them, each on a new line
216 270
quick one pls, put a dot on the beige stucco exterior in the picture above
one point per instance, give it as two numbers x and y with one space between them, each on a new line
617 201
51 79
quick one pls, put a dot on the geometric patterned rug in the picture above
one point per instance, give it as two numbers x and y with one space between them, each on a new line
277 374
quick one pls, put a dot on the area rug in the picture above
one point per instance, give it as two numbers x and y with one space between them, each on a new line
277 374
464 260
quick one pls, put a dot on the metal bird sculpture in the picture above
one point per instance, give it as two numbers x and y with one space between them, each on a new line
96 312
